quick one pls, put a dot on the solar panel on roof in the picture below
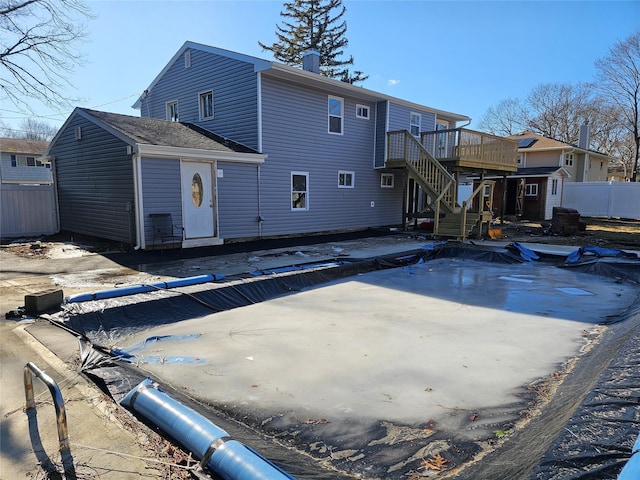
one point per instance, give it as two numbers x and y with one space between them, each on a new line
526 142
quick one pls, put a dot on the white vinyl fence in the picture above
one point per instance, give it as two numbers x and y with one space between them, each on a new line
603 199
28 210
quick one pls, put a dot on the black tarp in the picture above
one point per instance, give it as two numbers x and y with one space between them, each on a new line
595 443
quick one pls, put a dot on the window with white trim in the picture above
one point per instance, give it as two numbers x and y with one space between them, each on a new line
568 159
172 111
335 112
519 159
299 190
345 179
554 186
531 190
28 161
206 105
187 59
362 111
386 180
414 124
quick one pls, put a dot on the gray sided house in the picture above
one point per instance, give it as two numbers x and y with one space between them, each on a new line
116 173
325 140
235 148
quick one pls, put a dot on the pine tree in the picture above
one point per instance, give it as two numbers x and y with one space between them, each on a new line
313 27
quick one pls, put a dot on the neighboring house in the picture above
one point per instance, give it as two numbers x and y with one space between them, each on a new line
28 193
544 165
21 161
304 154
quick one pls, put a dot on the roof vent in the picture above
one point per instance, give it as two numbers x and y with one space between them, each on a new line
311 61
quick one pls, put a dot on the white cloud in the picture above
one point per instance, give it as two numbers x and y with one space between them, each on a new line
392 83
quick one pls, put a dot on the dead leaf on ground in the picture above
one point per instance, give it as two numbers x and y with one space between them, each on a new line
434 463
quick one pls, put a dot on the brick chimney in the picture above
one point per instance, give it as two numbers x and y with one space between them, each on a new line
311 61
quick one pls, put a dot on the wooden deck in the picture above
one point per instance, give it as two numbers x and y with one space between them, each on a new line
460 149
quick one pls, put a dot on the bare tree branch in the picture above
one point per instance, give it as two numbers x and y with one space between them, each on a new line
39 50
618 78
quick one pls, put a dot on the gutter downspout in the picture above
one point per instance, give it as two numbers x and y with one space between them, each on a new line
138 205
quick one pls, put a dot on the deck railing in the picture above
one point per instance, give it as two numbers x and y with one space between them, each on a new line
403 149
468 148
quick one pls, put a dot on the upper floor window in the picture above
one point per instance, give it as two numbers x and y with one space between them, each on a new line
187 59
27 161
568 159
414 124
299 191
345 179
335 110
206 105
554 186
362 111
519 159
172 111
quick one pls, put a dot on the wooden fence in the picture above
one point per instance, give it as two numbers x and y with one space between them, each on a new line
603 199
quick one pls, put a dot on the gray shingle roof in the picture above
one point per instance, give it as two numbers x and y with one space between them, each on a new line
151 131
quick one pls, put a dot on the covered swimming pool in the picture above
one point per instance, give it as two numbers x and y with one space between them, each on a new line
394 367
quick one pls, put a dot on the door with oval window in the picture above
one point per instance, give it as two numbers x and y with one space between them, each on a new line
197 200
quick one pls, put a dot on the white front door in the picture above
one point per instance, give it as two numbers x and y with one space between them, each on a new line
198 200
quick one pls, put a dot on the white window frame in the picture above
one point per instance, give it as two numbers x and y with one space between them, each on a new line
387 180
519 161
554 186
363 111
568 159
331 115
531 190
295 192
415 123
187 58
201 105
344 176
173 114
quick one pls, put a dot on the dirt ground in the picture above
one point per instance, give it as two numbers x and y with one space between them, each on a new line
601 232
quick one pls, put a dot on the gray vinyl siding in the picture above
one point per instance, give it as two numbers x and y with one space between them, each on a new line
238 200
295 137
95 182
381 134
235 97
161 191
400 118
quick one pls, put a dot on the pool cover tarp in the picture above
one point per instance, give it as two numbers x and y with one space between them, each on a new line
99 322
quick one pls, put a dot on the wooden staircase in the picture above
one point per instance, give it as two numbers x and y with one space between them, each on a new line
451 220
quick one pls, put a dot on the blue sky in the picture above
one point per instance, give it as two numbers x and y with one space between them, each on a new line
459 56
